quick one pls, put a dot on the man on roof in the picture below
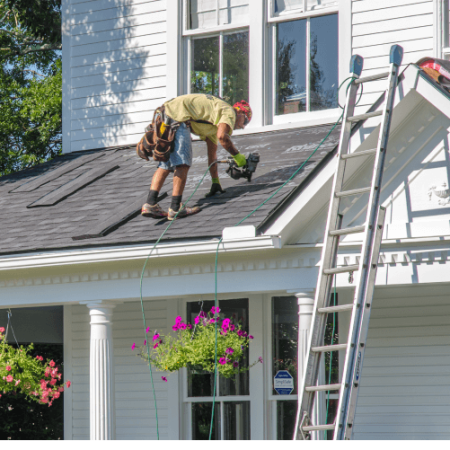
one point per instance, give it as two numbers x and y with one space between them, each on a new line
213 120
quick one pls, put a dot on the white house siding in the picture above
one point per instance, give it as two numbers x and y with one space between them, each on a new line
405 393
135 412
376 25
117 70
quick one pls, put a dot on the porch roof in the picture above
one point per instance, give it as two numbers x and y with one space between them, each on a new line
57 205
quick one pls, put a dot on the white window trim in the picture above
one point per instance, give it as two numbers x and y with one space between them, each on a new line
260 64
441 29
256 397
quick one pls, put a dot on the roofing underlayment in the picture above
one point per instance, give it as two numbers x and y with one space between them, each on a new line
94 198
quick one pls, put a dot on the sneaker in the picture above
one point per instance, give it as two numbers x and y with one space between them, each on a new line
154 211
184 212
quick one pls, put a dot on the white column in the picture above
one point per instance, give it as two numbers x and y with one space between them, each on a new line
305 301
101 372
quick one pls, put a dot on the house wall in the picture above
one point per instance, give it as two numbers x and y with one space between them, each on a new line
405 392
114 70
135 411
376 25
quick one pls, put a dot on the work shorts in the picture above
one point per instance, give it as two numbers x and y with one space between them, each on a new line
182 152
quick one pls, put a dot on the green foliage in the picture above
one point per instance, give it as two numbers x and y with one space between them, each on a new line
30 82
23 373
24 419
195 347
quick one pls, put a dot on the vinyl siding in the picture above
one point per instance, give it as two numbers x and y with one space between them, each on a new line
405 390
376 25
135 412
117 70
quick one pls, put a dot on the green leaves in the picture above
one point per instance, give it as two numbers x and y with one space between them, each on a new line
30 83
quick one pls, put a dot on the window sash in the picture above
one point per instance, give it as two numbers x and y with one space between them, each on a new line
186 31
298 13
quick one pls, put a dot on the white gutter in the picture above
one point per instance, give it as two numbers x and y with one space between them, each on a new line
135 252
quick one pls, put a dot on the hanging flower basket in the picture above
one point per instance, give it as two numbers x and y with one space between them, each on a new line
194 346
21 372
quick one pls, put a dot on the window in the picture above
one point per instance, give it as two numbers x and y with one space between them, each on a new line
280 7
219 66
203 14
306 77
232 407
442 28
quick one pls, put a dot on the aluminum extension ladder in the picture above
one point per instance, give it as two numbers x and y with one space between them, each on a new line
361 307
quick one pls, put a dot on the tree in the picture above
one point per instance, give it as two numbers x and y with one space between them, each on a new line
30 82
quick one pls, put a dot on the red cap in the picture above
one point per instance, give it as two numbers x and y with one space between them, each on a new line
244 107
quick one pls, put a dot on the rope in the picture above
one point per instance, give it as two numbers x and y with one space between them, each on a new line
142 301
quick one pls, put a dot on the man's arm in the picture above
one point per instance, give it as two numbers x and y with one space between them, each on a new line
223 134
212 156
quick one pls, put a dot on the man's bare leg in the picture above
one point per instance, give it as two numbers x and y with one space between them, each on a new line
158 179
179 182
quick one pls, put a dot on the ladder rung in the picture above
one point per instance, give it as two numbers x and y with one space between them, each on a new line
343 269
372 77
329 348
353 192
319 427
338 308
344 231
356 154
326 387
364 116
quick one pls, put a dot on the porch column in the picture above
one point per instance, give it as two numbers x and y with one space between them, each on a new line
101 372
305 302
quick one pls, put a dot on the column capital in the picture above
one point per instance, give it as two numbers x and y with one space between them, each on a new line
302 292
96 304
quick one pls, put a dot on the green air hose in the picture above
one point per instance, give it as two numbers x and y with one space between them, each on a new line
216 263
142 302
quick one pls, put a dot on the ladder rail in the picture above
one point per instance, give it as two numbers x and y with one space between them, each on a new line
318 321
342 418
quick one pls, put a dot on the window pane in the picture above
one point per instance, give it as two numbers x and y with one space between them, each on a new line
291 67
286 415
201 421
285 336
236 421
201 383
324 62
281 6
235 67
205 66
212 13
287 5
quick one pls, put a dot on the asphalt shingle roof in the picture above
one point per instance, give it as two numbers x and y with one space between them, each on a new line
107 199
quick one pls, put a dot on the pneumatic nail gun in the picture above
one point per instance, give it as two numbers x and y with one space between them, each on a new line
245 171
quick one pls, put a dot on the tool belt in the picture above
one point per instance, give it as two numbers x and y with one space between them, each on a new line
158 140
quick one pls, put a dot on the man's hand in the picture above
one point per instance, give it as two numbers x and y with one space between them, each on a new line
215 188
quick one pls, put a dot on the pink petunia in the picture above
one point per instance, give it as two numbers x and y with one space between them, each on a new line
145 341
223 360
9 378
147 330
69 384
60 389
229 350
225 324
164 379
260 359
56 394
240 333
215 310
133 346
2 330
156 345
53 381
190 326
155 337
250 337
183 326
197 320
212 321
174 327
43 385
202 314
178 320
8 368
52 363
47 372
17 382
235 364
232 327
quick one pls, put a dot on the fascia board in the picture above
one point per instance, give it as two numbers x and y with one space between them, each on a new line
310 200
137 252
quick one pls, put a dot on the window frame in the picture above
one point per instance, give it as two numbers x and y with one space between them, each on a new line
442 29
255 396
287 118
